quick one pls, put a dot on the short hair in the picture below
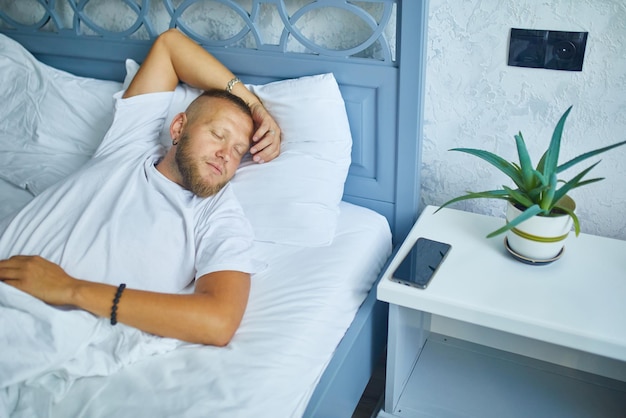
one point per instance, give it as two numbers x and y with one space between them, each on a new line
219 94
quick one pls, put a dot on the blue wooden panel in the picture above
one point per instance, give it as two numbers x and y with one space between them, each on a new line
361 348
360 103
413 29
372 113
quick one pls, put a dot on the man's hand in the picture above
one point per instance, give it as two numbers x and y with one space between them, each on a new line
267 137
38 277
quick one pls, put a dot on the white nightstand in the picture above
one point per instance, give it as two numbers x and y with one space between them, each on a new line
493 337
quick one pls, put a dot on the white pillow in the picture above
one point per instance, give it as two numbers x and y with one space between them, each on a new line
294 198
52 121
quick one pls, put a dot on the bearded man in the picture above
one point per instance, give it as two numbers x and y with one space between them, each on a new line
125 234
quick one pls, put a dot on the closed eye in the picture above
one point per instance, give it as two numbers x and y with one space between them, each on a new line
240 150
217 136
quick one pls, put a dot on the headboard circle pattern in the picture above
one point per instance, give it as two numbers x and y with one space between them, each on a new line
246 27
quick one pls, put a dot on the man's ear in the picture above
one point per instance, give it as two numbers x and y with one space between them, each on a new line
177 126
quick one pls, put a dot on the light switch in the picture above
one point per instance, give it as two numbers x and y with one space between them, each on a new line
527 48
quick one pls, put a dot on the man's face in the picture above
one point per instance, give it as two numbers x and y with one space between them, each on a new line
211 146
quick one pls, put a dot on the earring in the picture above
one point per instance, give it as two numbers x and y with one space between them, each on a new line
174 142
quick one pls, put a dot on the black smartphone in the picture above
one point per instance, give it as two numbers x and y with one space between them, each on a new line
421 263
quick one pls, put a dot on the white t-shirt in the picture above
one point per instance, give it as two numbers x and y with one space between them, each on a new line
119 220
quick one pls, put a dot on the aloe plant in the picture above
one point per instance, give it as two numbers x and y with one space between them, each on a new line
537 191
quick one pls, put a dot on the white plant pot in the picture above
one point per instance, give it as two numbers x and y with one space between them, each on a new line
539 238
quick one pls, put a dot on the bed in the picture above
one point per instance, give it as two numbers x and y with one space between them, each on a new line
313 331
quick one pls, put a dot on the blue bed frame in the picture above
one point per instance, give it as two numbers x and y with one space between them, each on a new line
383 95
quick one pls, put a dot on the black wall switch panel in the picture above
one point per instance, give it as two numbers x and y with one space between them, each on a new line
527 48
556 50
565 50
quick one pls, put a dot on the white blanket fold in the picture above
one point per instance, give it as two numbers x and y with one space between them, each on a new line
60 363
49 348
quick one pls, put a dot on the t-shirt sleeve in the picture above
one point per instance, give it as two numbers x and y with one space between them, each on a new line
224 240
137 121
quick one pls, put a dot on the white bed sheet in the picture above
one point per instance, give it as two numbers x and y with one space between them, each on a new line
299 309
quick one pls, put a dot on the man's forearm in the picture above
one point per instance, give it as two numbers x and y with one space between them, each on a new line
211 315
198 68
173 58
197 318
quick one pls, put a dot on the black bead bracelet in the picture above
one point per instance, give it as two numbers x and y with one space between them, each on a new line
116 300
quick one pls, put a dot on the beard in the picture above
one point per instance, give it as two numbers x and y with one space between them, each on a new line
188 168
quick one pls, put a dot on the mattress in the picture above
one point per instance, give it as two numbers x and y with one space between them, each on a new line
298 311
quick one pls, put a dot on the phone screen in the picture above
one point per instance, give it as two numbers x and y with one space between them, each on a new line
421 263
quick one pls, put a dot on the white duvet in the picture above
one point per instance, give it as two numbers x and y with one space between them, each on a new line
45 349
58 363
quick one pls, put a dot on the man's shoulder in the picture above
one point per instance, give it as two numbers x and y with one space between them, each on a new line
138 120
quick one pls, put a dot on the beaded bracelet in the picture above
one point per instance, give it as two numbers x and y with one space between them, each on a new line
231 84
116 300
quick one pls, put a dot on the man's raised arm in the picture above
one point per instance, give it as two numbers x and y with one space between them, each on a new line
174 58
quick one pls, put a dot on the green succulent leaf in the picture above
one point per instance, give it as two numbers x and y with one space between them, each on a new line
586 155
547 198
525 165
589 181
551 160
500 163
539 185
543 180
542 163
572 215
519 197
527 214
488 194
575 183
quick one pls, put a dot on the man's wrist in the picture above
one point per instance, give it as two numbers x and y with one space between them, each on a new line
91 296
231 84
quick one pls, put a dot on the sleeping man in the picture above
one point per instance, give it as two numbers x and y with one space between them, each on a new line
123 236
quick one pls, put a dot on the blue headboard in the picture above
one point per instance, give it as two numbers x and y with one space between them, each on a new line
381 75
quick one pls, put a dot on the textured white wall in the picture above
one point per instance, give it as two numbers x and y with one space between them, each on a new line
473 99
